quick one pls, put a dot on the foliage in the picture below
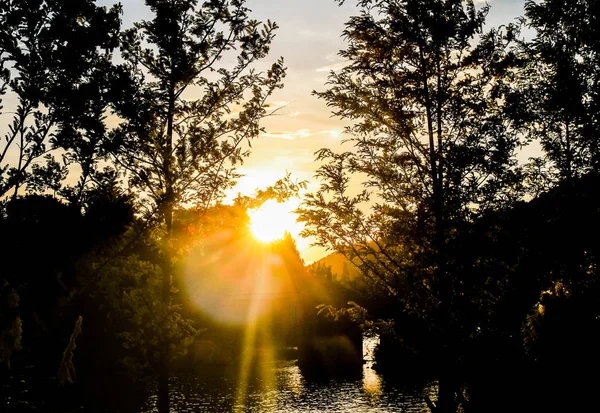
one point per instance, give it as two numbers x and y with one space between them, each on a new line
432 147
177 149
558 101
563 313
424 203
63 255
282 190
359 315
56 63
128 295
430 139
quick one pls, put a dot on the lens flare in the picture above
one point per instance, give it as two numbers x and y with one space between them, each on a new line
270 222
225 281
258 290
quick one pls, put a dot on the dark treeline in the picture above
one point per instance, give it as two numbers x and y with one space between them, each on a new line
103 145
470 248
472 237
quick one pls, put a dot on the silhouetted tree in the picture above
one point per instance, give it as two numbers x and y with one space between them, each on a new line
434 148
558 107
558 103
178 148
55 61
91 263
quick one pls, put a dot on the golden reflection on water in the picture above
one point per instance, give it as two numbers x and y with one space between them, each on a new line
291 380
254 355
371 383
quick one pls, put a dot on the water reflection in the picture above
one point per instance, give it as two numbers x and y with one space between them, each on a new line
292 380
371 382
215 390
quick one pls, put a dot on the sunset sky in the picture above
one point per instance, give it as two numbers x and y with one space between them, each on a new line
309 39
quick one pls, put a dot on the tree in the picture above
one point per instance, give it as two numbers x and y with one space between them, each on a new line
55 64
85 266
178 149
432 148
558 83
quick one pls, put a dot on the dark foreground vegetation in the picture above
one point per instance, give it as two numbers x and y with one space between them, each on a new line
463 214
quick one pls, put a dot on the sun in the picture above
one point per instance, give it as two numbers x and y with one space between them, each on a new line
272 219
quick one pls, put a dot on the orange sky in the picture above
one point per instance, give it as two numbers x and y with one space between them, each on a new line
309 39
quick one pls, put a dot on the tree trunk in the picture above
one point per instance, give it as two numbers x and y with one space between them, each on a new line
163 371
446 390
21 154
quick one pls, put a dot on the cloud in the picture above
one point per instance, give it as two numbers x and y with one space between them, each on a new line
295 114
301 133
334 66
333 133
332 57
335 63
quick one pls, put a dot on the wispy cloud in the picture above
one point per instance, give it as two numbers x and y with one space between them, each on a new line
334 66
333 133
335 63
332 57
289 135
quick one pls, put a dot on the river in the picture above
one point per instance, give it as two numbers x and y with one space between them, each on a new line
281 387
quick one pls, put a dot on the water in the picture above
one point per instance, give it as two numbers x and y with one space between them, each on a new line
280 387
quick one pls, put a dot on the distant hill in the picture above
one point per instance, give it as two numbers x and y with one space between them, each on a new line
341 268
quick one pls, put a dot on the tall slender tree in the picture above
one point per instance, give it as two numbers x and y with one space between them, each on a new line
432 150
190 101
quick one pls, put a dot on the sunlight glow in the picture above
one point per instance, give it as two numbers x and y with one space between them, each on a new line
225 282
270 222
250 336
372 383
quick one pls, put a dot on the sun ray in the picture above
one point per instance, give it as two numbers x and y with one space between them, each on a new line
251 339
